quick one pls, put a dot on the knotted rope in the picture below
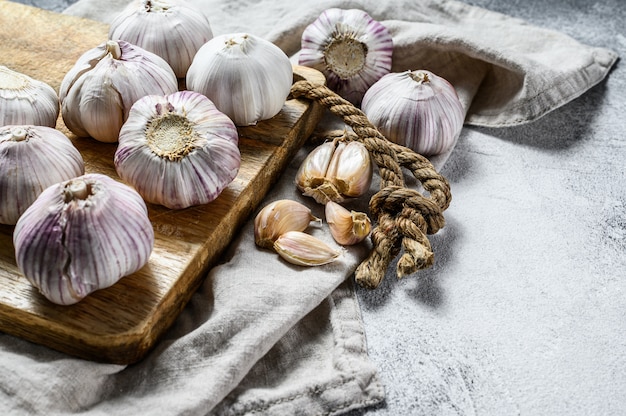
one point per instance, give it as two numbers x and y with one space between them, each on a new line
403 216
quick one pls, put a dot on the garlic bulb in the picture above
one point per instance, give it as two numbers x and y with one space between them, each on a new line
172 29
416 109
177 150
82 235
350 48
97 93
25 100
303 249
335 170
247 77
278 217
347 227
31 159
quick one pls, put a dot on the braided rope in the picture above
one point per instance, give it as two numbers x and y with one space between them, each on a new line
403 216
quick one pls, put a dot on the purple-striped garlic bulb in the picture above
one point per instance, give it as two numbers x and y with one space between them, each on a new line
98 91
350 48
172 29
247 77
31 159
25 100
82 235
416 109
178 150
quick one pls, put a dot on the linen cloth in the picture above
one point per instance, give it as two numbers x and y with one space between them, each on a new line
288 340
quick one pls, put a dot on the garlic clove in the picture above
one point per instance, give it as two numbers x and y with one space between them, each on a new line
416 109
351 169
279 217
312 171
172 29
82 235
178 150
350 48
97 93
247 77
335 170
26 101
303 249
347 227
31 159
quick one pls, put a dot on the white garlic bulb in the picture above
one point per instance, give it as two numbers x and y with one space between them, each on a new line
178 150
31 159
350 48
98 91
82 235
247 77
335 170
416 109
172 29
25 100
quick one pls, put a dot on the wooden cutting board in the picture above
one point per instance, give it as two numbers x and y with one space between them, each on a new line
122 323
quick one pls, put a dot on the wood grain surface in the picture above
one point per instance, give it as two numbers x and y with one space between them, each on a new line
122 323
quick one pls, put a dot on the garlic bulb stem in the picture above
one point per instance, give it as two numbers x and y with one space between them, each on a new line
18 134
76 189
156 6
113 48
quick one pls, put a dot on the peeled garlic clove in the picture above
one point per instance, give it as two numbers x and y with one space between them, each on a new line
278 217
416 109
303 249
347 227
350 48
172 29
335 170
177 150
247 77
82 235
26 101
99 90
31 159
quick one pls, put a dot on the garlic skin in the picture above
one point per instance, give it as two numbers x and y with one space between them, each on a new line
26 101
172 29
350 48
82 235
99 90
247 77
416 109
32 158
177 150
335 170
303 249
347 227
278 217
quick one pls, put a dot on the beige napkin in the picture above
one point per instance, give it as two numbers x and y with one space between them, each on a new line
263 337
